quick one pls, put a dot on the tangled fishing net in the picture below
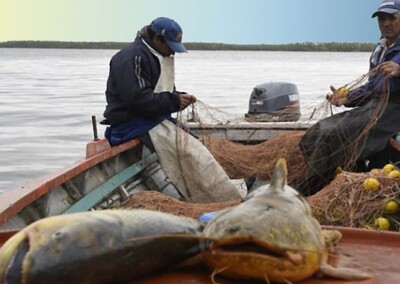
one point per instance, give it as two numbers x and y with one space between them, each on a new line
346 202
242 161
154 200
353 146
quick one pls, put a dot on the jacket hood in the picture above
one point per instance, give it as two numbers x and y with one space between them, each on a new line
144 34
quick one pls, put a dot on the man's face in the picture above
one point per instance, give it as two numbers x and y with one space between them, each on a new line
162 47
389 24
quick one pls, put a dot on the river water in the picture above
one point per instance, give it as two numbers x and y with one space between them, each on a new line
47 96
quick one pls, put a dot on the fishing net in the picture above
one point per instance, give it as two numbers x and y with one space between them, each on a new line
351 145
343 202
208 117
204 114
154 200
325 109
346 202
246 159
242 161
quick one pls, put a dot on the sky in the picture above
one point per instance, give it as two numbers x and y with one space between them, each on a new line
217 21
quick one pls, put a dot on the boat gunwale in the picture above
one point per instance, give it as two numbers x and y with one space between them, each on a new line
292 125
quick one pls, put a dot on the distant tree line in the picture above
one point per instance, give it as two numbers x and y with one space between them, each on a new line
63 44
306 46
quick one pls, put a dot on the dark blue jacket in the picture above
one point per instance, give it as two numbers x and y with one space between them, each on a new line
375 85
134 72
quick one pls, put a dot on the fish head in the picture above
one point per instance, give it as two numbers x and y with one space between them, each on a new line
48 241
271 235
258 243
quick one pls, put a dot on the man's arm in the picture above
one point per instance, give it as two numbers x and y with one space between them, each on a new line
360 95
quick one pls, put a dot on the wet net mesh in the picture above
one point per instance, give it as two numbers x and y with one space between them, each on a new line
243 161
345 201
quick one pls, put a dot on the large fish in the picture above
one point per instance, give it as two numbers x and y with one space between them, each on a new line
97 247
271 236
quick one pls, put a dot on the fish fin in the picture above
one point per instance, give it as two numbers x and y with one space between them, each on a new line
279 177
331 239
343 273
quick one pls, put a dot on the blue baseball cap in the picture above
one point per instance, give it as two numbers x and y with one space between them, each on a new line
171 31
388 7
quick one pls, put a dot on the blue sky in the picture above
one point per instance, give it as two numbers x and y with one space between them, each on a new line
224 21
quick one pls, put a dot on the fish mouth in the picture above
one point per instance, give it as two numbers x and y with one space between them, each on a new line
258 259
247 247
256 248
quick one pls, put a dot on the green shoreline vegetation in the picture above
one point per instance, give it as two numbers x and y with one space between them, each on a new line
306 46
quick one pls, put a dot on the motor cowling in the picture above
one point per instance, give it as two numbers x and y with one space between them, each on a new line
275 101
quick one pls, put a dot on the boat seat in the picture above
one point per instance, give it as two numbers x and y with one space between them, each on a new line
112 184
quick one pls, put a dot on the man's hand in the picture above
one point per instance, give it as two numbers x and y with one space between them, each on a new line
337 98
389 69
186 100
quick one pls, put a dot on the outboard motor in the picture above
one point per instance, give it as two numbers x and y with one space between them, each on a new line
275 101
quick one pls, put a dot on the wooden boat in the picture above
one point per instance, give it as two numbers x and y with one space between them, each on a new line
107 176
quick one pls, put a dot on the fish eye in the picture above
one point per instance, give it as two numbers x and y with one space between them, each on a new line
57 235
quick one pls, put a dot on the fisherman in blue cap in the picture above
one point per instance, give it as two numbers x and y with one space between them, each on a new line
358 139
140 87
141 96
